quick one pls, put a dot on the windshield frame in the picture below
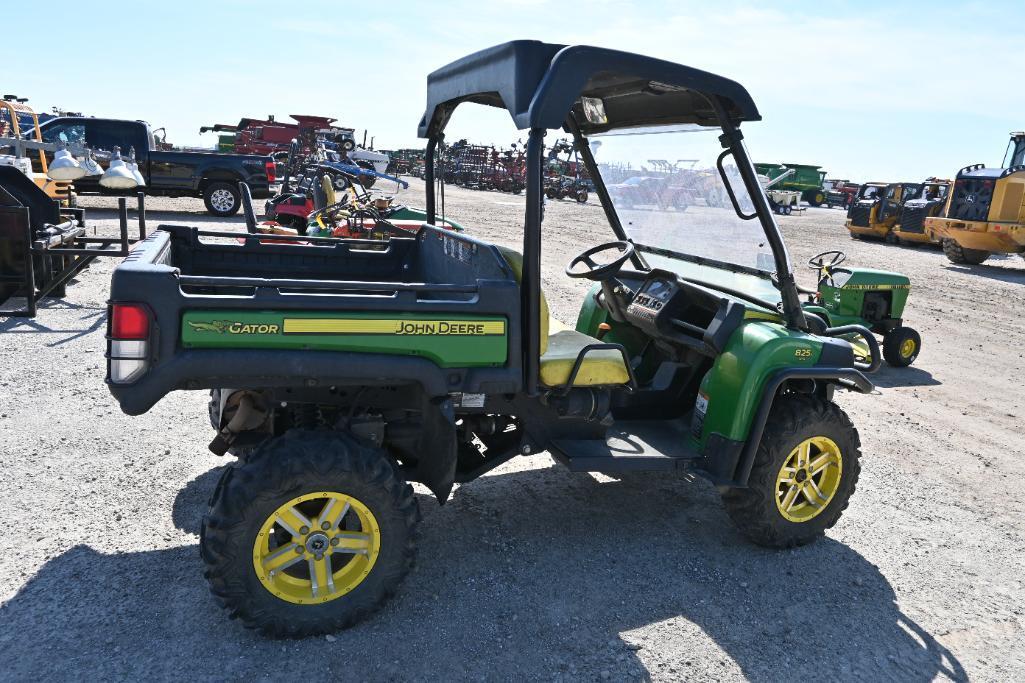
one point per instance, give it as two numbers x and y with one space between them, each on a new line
732 142
1015 152
728 183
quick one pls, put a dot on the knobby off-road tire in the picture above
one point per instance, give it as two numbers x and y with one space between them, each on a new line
955 253
901 346
794 420
294 465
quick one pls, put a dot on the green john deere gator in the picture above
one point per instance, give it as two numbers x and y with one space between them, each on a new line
341 371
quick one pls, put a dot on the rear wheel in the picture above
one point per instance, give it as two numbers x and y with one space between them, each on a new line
311 535
955 253
901 346
804 474
222 199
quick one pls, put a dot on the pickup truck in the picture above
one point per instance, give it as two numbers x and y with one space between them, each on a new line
169 173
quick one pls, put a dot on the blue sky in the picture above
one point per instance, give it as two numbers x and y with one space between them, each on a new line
869 90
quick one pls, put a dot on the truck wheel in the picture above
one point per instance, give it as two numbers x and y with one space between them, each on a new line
310 536
957 254
222 199
804 473
901 346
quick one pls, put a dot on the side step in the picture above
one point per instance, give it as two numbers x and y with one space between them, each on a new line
630 446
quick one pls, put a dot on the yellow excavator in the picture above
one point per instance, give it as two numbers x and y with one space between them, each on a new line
985 212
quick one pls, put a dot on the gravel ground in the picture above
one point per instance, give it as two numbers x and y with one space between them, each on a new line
532 571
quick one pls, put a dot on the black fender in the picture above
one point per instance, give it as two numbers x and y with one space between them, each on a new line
847 378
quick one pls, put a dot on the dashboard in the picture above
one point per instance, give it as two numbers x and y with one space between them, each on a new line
674 310
653 296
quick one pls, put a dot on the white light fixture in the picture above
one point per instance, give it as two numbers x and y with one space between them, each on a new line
89 163
133 166
118 176
64 165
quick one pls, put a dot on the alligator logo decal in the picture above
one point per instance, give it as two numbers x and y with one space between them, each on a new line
218 326
222 326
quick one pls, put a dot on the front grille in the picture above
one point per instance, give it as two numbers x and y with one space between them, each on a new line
860 215
971 199
913 218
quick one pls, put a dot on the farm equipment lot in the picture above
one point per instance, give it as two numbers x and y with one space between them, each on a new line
540 574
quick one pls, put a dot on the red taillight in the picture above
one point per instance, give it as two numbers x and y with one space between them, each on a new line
129 321
272 171
128 348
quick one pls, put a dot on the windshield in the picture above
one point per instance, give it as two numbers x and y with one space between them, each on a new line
1015 154
671 200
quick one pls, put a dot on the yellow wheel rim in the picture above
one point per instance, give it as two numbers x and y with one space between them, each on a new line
907 348
316 547
808 479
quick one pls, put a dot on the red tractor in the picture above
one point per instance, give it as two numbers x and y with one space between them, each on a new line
256 136
840 193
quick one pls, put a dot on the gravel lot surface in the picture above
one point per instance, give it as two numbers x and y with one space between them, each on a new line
532 571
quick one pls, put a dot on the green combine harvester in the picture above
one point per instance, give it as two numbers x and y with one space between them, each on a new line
808 180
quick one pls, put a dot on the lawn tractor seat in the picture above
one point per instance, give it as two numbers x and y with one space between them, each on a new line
560 346
330 196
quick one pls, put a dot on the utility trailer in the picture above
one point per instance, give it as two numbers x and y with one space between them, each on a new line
44 245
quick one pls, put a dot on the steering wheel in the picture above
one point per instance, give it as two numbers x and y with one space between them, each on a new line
818 262
600 271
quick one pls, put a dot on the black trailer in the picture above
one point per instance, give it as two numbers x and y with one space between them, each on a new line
44 245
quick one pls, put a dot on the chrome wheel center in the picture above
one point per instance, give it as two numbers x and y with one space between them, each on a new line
317 543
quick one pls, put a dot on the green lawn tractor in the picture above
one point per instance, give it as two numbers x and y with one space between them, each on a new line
862 296
341 373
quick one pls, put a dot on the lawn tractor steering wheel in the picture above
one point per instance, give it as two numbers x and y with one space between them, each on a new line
819 262
600 271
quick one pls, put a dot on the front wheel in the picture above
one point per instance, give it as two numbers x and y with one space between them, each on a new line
804 474
901 346
581 196
222 199
309 536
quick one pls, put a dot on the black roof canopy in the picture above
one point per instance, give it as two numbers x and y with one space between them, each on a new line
540 83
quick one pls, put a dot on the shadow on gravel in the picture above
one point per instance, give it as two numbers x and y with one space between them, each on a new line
910 376
541 573
91 319
1013 273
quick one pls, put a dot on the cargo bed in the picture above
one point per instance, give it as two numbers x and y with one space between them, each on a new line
255 311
